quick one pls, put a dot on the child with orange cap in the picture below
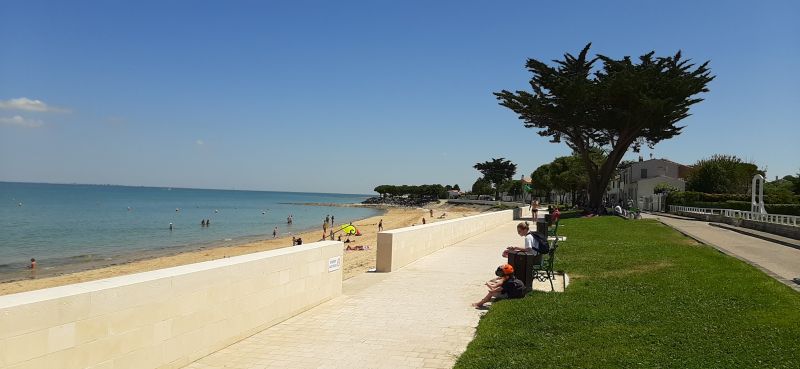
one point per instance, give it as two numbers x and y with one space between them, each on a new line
504 286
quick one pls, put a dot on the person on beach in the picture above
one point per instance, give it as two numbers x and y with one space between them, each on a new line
504 286
423 220
431 213
299 241
331 221
33 264
275 232
327 219
294 241
380 225
331 235
324 228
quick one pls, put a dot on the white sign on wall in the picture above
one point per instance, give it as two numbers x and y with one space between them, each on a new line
334 263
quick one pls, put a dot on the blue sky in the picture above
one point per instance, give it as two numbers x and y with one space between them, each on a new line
341 97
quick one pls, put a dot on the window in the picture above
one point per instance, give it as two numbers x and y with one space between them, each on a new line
644 173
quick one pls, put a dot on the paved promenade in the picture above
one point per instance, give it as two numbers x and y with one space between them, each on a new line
779 261
417 317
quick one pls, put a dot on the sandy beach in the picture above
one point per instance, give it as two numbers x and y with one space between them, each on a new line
355 262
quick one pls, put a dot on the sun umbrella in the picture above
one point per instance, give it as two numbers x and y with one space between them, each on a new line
348 229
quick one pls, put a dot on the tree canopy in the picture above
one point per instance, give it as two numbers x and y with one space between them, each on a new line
421 190
722 174
565 174
620 106
497 171
482 186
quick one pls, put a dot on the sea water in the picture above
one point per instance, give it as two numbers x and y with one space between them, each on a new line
73 227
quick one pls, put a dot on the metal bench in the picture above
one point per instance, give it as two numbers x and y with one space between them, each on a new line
543 267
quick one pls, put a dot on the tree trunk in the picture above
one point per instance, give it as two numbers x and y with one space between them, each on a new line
596 196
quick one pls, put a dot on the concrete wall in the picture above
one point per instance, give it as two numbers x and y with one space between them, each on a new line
399 247
483 202
165 318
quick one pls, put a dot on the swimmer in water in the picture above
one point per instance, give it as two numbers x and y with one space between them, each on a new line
170 226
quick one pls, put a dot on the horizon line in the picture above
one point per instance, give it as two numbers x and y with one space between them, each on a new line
175 187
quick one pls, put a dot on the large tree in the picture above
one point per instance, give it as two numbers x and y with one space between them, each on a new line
722 174
482 186
615 108
497 171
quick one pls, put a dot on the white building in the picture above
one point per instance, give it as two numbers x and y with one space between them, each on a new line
638 181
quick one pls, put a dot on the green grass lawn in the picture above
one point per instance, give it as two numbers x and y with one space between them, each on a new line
643 295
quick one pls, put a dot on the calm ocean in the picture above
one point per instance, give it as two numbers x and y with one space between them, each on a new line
74 227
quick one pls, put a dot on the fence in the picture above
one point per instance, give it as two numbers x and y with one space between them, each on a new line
656 202
789 220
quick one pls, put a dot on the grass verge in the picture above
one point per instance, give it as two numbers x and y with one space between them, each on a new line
643 295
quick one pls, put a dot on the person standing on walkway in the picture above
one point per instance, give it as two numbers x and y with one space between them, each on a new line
380 225
535 208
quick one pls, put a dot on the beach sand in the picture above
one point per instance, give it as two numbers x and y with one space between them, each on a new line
355 262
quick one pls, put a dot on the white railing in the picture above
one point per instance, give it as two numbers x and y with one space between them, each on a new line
790 220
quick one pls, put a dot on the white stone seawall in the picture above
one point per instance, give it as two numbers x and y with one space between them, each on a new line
165 318
400 247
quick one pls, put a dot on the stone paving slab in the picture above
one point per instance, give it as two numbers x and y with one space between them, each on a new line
417 317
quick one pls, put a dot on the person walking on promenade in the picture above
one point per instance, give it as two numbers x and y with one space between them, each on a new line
535 208
380 225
